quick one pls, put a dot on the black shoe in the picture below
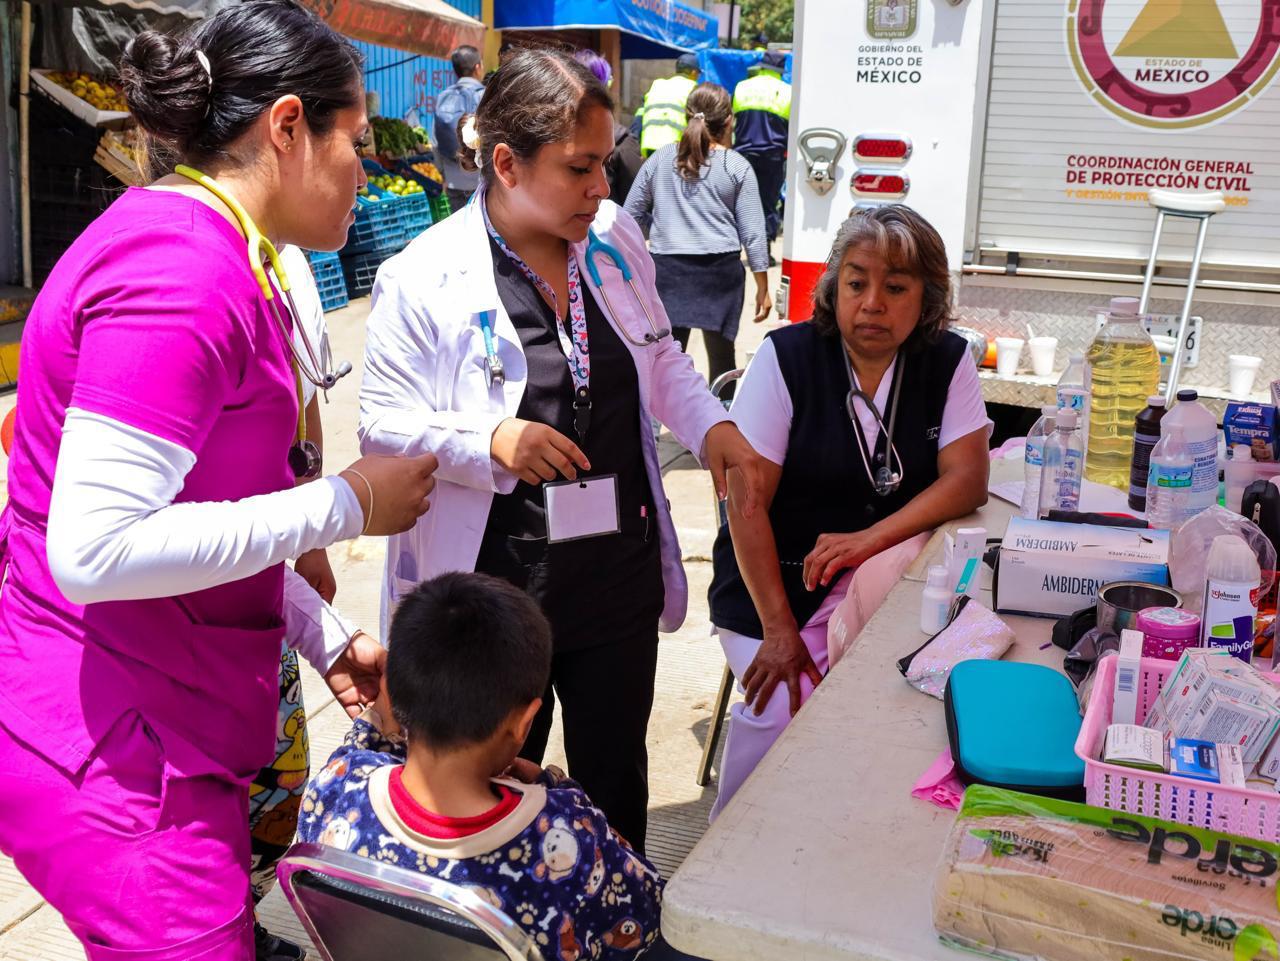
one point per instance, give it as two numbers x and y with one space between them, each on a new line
268 947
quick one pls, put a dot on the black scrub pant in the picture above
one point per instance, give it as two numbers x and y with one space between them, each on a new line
606 696
771 173
720 354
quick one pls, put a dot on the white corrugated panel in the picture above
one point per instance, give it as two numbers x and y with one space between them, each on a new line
1040 115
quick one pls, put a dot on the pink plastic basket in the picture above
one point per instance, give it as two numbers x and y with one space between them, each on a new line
1254 814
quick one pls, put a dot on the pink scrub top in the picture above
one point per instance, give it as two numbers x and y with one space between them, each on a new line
152 318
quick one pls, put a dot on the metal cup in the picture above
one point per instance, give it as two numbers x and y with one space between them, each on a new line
1120 601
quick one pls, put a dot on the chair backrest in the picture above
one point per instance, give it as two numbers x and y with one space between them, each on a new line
358 909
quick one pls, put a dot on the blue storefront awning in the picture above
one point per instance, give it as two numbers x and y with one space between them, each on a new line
651 29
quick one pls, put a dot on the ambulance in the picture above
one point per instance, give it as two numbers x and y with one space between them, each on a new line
1030 132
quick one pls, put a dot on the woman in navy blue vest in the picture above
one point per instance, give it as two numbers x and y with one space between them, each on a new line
848 478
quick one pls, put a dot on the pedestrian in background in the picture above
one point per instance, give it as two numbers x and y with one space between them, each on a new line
625 161
702 203
663 114
762 115
462 97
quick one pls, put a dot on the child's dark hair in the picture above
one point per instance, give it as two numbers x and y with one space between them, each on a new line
257 52
708 111
536 98
464 651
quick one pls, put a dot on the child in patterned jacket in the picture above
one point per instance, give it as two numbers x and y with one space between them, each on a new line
468 660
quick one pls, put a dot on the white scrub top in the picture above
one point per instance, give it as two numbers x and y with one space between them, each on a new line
310 314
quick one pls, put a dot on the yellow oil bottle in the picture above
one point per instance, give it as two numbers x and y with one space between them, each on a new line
1124 370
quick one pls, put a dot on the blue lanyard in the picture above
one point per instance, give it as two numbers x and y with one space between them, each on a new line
576 347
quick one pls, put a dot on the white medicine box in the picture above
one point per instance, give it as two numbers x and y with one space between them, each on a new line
1051 569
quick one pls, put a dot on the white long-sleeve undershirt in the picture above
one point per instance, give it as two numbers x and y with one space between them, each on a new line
116 534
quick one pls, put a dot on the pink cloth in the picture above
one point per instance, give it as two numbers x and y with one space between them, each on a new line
939 785
869 587
151 318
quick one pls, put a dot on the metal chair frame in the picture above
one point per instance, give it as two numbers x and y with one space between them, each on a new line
726 678
388 880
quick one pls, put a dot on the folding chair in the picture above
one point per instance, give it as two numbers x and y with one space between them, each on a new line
358 909
718 387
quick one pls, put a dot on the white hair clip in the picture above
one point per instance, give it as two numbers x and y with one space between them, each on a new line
203 60
699 116
471 139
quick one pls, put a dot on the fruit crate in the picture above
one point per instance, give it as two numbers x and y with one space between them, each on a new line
415 213
378 227
430 186
360 270
440 208
87 186
326 269
57 135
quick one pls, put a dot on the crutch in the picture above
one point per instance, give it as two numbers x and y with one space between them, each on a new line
1197 207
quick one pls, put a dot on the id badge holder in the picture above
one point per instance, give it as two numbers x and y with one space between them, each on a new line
586 507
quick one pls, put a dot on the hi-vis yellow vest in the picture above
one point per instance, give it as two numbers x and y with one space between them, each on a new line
663 112
766 92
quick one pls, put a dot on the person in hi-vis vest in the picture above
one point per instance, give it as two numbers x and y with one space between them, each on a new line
762 114
662 114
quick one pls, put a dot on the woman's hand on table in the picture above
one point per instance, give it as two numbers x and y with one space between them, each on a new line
727 450
834 553
783 658
356 676
313 567
392 491
536 452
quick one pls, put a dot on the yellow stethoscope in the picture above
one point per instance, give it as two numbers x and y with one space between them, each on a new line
304 455
493 364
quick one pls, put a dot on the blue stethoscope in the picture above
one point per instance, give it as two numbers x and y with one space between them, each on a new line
493 363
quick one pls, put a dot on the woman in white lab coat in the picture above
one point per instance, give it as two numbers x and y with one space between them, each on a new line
579 378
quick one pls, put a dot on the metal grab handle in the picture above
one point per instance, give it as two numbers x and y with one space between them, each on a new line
821 162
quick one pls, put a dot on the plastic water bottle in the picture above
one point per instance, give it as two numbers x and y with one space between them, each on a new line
1146 434
1170 480
1200 433
1034 460
1239 473
1124 369
1063 465
1072 388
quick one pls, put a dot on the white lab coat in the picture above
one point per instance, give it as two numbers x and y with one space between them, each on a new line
425 389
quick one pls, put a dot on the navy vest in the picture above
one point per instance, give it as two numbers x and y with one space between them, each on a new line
824 488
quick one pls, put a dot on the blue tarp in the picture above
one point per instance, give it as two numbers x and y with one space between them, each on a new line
729 67
651 29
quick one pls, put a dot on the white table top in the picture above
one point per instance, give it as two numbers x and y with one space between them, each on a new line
823 853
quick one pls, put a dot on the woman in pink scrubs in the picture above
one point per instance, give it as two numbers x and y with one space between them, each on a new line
152 504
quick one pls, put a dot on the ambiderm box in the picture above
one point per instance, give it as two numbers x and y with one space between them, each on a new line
1051 569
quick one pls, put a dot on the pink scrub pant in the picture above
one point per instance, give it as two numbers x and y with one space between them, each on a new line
858 595
143 864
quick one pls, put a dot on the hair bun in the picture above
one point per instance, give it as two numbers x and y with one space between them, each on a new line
166 88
